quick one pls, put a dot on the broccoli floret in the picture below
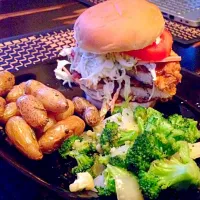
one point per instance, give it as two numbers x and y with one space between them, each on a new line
124 137
140 115
67 145
115 160
148 119
84 162
109 182
84 146
116 178
113 137
97 168
104 159
104 191
146 148
159 138
109 133
184 128
118 161
179 172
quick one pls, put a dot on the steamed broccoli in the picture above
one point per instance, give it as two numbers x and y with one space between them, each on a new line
118 161
84 162
124 137
159 138
79 149
109 183
97 168
109 133
146 148
140 114
179 172
112 136
78 144
176 126
184 128
67 146
116 180
84 146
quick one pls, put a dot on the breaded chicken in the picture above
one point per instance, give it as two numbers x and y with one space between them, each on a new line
168 76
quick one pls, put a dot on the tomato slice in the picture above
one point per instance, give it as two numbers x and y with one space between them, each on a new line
155 52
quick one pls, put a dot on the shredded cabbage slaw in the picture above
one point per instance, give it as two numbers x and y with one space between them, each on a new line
93 68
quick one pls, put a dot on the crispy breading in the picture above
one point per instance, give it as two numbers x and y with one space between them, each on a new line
168 76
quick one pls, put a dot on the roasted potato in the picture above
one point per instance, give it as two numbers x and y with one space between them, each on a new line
16 92
32 111
53 137
50 122
87 111
23 137
69 112
2 106
53 100
7 81
11 110
32 86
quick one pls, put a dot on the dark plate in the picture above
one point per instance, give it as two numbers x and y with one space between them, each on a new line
53 172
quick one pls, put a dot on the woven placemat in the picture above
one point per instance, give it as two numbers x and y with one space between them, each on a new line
28 50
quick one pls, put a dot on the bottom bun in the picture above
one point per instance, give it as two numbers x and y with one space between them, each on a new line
133 105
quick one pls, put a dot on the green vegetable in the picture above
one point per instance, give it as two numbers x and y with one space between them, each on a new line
124 137
185 129
107 136
140 114
159 138
109 182
118 161
84 146
113 137
146 148
179 172
120 181
119 108
67 146
97 167
104 159
84 162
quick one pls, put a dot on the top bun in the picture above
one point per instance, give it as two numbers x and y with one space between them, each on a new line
118 25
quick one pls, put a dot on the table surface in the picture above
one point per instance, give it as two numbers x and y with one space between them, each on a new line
24 16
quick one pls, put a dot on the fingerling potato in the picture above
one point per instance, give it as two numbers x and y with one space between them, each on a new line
50 122
69 111
2 106
32 86
11 110
91 116
80 104
87 111
16 92
32 111
54 137
23 137
53 100
7 81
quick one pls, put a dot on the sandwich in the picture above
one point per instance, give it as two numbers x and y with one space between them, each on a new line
122 53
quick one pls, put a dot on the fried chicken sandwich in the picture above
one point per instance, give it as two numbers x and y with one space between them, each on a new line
123 53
